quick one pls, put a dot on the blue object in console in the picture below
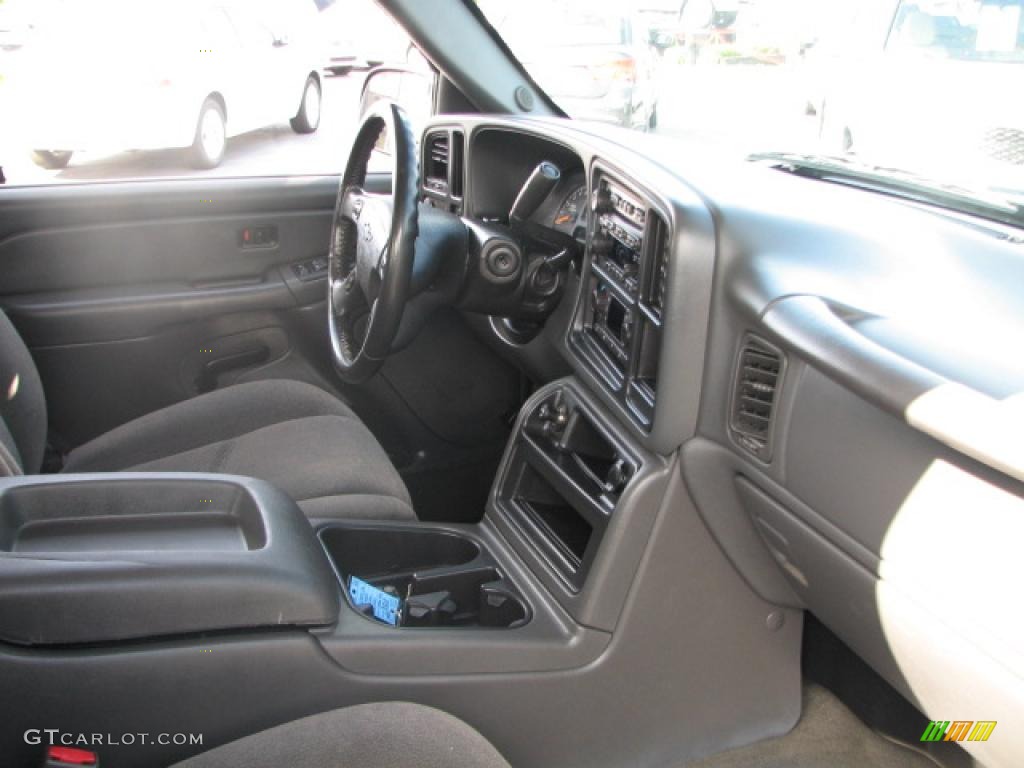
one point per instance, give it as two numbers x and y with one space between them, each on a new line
385 606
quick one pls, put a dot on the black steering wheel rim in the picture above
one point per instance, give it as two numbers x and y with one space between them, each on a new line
369 270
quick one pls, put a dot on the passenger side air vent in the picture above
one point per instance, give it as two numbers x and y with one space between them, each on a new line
435 163
758 381
458 151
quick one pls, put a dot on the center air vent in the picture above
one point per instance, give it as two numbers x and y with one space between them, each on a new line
661 251
758 380
458 151
435 164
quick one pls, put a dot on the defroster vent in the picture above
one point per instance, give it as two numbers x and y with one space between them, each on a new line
756 394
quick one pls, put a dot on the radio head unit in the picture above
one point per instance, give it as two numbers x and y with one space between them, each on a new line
617 328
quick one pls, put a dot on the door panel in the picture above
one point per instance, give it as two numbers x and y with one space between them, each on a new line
92 316
134 296
193 240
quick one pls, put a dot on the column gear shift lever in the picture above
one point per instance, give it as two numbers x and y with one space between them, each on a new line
534 192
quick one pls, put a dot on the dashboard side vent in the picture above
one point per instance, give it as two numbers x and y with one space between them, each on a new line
759 373
458 152
435 163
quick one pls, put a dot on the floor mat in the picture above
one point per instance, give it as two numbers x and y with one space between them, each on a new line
827 736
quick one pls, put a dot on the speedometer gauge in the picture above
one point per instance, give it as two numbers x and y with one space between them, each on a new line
573 211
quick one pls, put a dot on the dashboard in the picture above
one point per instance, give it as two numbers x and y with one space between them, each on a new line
789 342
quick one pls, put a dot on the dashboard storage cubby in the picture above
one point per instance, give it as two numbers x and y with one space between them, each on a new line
103 558
562 482
433 577
563 528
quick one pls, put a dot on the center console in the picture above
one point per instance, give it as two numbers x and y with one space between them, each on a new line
576 496
218 590
431 577
562 482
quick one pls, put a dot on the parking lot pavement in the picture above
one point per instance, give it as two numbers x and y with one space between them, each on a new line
738 109
270 151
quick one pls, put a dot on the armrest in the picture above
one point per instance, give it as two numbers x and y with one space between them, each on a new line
95 558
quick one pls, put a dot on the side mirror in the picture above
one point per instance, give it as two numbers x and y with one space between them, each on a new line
662 39
411 89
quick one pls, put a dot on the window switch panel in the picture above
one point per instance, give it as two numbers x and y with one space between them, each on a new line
312 269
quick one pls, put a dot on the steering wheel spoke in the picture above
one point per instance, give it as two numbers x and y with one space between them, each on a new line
351 205
347 299
372 248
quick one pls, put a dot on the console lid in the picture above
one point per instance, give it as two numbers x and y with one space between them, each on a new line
98 558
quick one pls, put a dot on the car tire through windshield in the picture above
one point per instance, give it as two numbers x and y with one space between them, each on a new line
308 118
210 143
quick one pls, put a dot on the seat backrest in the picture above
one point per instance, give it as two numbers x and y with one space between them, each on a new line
22 406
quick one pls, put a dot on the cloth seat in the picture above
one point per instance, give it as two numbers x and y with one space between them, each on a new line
380 735
291 434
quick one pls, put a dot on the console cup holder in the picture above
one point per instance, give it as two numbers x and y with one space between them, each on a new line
443 579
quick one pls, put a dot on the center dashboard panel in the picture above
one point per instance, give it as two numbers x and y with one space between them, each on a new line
637 295
638 331
617 331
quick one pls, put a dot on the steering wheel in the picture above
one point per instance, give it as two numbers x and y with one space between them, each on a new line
373 244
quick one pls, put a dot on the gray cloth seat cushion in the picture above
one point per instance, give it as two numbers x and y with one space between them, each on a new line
381 735
291 434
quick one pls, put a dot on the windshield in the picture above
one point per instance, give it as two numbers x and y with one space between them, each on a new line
561 29
921 91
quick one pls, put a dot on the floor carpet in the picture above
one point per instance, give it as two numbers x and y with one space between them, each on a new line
828 735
